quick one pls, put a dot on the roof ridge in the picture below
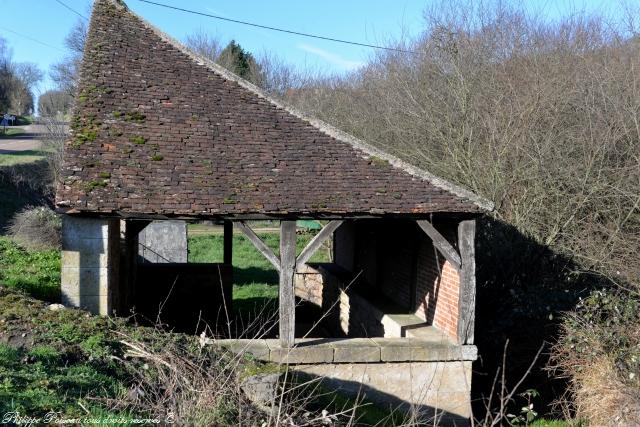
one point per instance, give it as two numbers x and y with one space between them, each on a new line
324 127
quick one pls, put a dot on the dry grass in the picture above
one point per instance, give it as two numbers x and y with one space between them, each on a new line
36 228
602 399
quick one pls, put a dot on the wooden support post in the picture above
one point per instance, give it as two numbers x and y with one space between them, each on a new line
128 270
442 244
228 243
260 245
317 241
287 294
467 296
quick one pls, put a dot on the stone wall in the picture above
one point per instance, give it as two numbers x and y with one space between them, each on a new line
431 375
163 242
348 313
440 389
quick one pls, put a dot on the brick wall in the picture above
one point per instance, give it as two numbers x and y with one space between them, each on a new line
349 314
400 265
437 286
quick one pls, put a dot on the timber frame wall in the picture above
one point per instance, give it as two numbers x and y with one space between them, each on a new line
462 259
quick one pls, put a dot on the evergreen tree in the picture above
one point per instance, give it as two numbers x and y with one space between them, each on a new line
239 61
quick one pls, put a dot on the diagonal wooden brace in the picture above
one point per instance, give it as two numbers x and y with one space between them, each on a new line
259 244
441 244
317 241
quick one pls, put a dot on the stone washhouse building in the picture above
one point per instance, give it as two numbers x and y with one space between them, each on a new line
161 136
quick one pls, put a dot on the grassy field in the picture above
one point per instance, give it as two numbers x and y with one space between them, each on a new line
21 157
77 365
10 132
255 281
35 272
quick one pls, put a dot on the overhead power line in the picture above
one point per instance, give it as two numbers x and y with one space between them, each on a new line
71 9
282 30
31 38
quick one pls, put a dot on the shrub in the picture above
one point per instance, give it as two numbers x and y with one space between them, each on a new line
599 352
36 228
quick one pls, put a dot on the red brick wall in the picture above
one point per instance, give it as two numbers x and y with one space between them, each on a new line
395 256
437 286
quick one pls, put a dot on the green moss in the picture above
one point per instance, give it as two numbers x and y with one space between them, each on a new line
91 185
85 129
105 175
134 116
157 157
378 161
117 114
88 136
138 139
92 92
253 367
229 201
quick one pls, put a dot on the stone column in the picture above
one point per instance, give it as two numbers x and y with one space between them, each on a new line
90 263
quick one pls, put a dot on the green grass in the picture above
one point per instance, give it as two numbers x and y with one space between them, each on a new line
549 423
10 132
35 272
21 157
255 279
62 363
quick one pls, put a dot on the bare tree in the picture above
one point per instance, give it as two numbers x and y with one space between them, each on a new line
539 118
54 103
204 45
65 72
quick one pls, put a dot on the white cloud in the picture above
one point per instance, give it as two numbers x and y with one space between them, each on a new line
331 57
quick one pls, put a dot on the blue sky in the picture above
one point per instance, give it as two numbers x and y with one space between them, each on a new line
367 21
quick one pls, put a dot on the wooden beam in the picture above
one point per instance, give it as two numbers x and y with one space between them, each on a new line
287 306
134 227
317 241
259 244
228 243
441 244
467 296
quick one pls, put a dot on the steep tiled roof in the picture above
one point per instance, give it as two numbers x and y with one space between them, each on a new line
159 130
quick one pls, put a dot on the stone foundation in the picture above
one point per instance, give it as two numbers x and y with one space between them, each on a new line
431 375
439 389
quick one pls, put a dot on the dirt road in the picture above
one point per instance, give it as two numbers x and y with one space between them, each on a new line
29 140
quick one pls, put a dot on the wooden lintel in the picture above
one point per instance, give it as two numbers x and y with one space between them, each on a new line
317 241
134 227
287 299
441 243
259 244
467 296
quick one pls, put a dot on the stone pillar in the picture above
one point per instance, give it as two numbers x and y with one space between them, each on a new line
90 263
